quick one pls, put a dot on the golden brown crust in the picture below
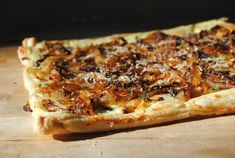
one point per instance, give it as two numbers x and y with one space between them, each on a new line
208 105
170 109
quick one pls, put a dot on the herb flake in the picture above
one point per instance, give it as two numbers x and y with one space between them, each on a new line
216 87
145 97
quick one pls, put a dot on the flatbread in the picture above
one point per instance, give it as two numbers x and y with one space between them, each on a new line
55 114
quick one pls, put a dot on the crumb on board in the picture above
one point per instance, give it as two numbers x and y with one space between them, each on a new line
100 153
94 143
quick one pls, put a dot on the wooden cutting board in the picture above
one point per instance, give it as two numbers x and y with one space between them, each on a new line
210 138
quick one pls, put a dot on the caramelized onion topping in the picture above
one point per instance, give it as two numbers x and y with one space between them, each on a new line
114 73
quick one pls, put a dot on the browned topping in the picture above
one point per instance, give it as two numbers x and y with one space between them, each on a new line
49 105
57 48
128 110
62 68
41 120
160 99
81 106
27 107
96 77
25 58
53 49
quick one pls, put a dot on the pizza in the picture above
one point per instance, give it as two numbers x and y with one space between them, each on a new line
130 80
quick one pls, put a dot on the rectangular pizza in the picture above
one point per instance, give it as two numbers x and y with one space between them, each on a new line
130 80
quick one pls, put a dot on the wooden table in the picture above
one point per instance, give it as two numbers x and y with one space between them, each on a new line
211 137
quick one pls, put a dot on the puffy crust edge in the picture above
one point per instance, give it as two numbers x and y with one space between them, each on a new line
213 104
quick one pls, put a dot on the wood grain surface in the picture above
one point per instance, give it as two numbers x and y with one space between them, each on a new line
208 138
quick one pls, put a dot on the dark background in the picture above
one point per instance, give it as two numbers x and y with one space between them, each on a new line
89 18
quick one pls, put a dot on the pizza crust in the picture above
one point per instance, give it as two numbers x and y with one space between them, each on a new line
170 109
213 104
